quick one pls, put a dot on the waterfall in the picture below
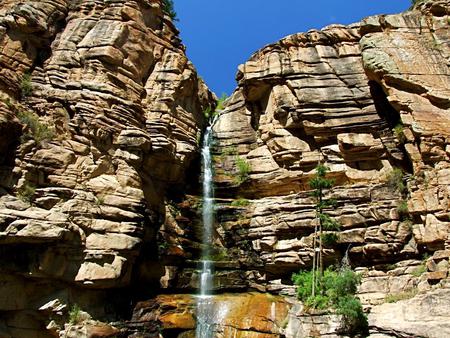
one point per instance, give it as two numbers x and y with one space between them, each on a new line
204 301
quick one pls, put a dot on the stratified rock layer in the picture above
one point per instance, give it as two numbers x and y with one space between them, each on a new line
366 100
110 113
100 121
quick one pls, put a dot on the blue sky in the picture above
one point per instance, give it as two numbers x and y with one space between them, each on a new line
221 34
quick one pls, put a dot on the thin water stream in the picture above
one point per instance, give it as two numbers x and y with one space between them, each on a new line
204 299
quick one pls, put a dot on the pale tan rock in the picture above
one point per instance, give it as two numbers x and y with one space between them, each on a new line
425 315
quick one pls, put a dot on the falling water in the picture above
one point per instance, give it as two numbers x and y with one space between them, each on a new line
204 303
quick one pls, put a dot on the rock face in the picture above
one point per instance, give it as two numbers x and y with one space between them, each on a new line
369 100
100 117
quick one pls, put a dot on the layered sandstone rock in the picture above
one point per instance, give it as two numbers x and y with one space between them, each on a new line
110 111
366 100
370 101
100 121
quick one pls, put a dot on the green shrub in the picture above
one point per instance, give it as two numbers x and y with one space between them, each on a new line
8 102
420 270
329 223
402 209
168 7
398 132
396 180
207 113
74 314
336 289
354 319
35 129
329 238
26 88
240 202
99 201
221 102
243 168
229 151
26 193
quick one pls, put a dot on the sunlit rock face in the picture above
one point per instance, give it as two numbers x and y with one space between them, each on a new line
363 99
81 206
118 116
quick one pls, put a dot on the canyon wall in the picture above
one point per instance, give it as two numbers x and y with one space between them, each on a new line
101 115
371 101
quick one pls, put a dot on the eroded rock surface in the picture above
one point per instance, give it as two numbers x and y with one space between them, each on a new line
367 100
100 121
110 111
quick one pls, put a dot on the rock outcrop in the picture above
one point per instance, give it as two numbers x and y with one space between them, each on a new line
371 102
367 100
101 114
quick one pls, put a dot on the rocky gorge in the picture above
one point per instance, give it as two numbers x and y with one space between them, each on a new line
102 117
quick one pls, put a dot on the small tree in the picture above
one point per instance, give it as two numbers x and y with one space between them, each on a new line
323 221
169 8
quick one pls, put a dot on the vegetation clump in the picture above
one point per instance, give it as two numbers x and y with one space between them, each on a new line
240 202
243 168
336 290
402 209
168 7
74 314
210 113
26 193
396 297
398 132
26 88
396 180
35 129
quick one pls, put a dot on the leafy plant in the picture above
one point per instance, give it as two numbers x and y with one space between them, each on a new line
228 151
209 113
398 132
99 201
240 202
168 7
420 270
34 128
26 88
402 209
243 168
354 320
324 222
336 290
74 314
396 180
221 102
329 239
8 102
26 193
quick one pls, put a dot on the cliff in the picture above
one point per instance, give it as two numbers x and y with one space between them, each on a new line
101 117
371 102
101 113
